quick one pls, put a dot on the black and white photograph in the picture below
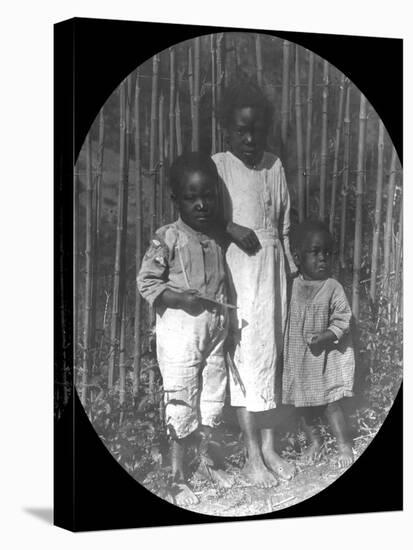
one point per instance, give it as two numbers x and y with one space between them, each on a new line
238 274
204 301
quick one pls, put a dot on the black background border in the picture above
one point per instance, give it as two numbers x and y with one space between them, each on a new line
92 57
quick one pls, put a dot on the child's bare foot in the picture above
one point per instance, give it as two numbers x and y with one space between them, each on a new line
183 496
337 420
283 469
311 453
258 474
219 477
345 455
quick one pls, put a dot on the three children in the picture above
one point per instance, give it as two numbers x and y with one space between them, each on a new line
230 245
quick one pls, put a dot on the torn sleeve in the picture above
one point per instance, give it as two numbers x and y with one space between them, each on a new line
153 275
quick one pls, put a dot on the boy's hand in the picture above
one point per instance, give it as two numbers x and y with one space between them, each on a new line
191 302
188 300
244 237
319 342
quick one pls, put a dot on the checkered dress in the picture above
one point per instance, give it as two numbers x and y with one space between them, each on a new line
308 379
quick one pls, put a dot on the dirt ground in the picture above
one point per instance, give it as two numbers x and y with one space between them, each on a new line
243 499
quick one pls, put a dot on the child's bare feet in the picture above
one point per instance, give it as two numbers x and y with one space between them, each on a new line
281 468
256 472
311 453
345 455
183 496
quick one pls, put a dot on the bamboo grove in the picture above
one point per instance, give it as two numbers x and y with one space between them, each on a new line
340 164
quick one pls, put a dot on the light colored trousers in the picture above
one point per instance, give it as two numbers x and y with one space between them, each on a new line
191 360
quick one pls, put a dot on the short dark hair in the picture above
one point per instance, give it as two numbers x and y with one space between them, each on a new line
244 94
299 232
187 163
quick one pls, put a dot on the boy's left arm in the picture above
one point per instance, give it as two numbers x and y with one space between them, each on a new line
152 277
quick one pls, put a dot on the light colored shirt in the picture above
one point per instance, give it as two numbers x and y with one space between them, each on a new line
180 258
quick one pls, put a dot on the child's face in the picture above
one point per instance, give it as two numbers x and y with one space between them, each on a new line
197 200
314 257
248 135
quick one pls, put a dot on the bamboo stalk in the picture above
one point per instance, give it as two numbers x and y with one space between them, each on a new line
196 97
344 186
147 125
97 208
310 88
238 56
258 54
359 204
336 153
172 77
172 103
324 130
76 282
220 79
213 97
300 160
178 126
161 162
377 212
397 291
122 359
284 95
128 123
391 186
89 271
118 275
100 158
138 241
225 58
191 85
152 151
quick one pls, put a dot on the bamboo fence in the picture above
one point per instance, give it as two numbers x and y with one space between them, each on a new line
159 116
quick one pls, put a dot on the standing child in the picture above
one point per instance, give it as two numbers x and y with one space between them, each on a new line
256 209
181 272
319 358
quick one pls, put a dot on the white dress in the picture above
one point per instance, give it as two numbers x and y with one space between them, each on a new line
257 198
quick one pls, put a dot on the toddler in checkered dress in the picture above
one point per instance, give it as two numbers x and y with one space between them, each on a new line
318 351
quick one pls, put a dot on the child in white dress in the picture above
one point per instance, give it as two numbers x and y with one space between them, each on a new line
256 206
319 357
